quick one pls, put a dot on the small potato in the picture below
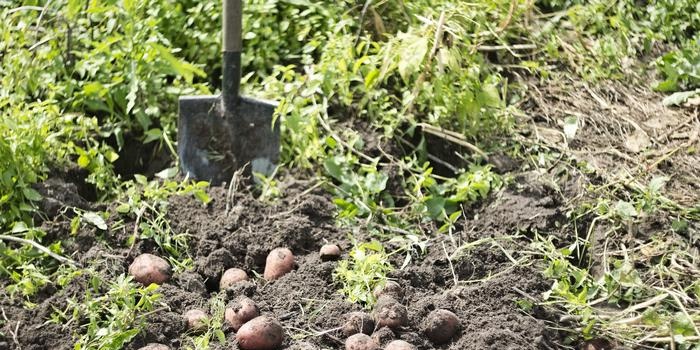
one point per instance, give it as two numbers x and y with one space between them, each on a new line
360 341
383 335
196 319
279 262
148 268
389 313
358 322
231 277
399 345
391 289
260 333
440 326
155 346
242 311
330 252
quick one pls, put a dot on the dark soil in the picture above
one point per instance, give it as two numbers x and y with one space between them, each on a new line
306 301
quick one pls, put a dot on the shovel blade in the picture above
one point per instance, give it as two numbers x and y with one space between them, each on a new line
214 144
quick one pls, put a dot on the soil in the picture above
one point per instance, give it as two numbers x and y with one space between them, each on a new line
485 284
239 232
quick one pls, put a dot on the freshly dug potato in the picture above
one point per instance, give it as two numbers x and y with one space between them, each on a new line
155 346
279 262
148 268
231 277
358 322
360 341
260 333
389 313
383 335
196 319
391 289
242 311
440 326
330 252
399 345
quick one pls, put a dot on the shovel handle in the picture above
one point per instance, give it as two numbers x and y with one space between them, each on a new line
232 22
232 45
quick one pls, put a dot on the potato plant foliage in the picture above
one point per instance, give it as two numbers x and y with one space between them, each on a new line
82 79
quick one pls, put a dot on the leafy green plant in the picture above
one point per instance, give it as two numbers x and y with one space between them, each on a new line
362 272
111 317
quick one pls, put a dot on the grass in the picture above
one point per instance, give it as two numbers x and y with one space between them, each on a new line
82 79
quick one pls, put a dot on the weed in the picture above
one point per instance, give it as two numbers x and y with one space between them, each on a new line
362 272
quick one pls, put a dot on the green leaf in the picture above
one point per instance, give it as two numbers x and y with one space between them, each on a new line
411 54
95 219
202 196
167 173
181 68
83 161
625 209
679 98
31 194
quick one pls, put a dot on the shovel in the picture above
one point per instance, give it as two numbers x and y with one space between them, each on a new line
218 135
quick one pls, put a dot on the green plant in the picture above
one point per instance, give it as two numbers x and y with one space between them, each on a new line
362 272
112 316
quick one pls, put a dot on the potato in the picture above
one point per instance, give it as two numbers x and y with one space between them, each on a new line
279 262
148 268
440 326
242 311
232 276
360 341
330 252
399 345
260 333
391 289
358 322
155 346
389 313
383 335
196 319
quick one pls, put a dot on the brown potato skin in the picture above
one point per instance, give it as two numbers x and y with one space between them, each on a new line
440 326
329 252
279 262
360 341
242 311
260 333
195 319
389 313
399 345
358 322
391 289
148 268
231 277
155 346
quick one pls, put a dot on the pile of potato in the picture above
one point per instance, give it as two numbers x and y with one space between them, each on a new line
367 332
253 331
